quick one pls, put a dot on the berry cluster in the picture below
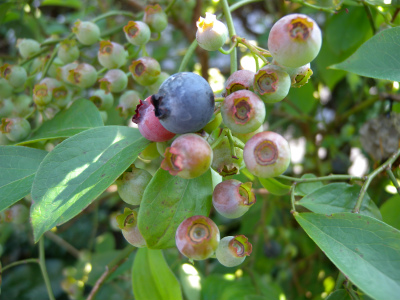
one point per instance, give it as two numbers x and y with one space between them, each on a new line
189 132
184 105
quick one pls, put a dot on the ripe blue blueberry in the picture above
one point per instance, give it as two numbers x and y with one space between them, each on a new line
184 103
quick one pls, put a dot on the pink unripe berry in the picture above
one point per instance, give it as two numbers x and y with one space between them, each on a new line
188 157
298 76
232 198
243 111
232 250
294 40
267 154
137 33
272 83
127 222
114 81
197 237
239 80
112 55
149 125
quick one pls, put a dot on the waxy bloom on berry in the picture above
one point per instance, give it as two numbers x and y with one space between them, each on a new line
197 237
294 40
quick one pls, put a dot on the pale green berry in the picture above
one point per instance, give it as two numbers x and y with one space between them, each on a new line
211 33
232 250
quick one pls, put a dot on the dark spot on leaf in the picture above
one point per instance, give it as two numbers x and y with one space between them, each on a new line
102 175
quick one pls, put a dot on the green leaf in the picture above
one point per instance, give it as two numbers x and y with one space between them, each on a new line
65 3
18 166
339 295
390 211
364 249
274 186
152 278
339 197
82 115
341 34
305 188
78 170
301 99
167 201
376 58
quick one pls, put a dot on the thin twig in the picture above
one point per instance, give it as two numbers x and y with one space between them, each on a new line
110 268
370 177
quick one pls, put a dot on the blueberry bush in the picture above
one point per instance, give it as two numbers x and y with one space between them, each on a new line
199 150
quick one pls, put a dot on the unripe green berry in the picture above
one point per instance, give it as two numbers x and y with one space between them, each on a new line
41 95
145 70
232 198
15 129
84 75
87 33
127 103
244 137
197 237
5 88
153 88
22 105
111 55
214 123
114 81
267 154
188 157
243 111
6 108
68 51
232 250
15 75
211 33
61 96
137 33
127 222
298 76
55 65
27 47
131 185
43 91
223 162
63 72
150 152
155 17
272 83
103 100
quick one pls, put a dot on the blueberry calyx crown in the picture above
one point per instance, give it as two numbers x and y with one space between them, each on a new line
160 113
